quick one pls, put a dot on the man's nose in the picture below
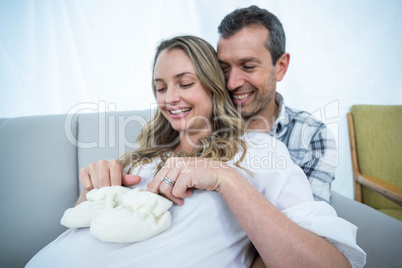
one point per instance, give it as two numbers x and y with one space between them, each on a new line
234 79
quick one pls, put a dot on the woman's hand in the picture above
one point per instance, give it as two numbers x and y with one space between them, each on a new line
185 173
102 174
105 173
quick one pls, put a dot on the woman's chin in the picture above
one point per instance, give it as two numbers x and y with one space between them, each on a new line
179 128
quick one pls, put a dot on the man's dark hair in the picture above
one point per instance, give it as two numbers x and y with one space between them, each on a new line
253 15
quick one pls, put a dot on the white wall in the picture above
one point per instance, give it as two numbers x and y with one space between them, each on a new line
55 55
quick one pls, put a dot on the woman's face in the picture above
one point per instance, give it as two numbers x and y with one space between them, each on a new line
183 100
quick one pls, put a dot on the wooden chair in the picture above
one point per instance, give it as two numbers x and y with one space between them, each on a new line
375 134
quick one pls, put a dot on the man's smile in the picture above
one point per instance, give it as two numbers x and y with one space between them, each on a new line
241 97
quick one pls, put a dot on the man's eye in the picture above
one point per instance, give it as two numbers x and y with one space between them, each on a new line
225 68
249 67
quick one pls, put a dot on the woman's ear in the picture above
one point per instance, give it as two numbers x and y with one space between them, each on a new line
281 66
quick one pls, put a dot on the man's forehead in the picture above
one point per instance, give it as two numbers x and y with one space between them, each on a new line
238 54
252 37
240 50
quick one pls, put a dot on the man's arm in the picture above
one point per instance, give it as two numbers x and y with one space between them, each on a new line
290 245
313 148
279 240
319 162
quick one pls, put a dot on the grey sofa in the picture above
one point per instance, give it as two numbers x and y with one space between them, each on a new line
39 163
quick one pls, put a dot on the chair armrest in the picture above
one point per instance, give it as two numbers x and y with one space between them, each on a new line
386 189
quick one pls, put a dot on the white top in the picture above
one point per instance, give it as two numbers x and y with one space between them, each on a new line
204 231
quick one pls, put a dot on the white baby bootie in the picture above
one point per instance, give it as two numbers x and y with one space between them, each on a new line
98 201
141 215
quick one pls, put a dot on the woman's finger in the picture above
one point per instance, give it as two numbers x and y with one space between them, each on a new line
93 174
182 188
153 185
167 185
168 181
85 179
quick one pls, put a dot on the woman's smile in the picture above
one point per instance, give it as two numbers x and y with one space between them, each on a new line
179 113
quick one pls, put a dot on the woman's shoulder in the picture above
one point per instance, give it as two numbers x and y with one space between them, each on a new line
261 140
266 154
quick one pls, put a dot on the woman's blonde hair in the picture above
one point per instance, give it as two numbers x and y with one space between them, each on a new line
159 139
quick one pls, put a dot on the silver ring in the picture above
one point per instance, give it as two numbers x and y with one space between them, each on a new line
170 182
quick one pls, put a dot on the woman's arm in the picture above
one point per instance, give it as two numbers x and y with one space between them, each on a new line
279 240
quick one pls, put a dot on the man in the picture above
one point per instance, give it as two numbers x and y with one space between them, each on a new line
251 49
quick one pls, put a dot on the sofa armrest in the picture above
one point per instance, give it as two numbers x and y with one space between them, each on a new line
379 235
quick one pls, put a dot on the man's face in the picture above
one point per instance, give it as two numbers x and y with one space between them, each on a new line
249 72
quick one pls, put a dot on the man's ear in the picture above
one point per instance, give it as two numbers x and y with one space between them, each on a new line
281 66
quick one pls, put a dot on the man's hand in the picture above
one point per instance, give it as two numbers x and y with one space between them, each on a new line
106 173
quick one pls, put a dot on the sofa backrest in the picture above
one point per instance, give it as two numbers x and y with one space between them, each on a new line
109 135
38 180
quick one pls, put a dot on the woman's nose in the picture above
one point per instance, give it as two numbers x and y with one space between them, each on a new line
172 96
234 79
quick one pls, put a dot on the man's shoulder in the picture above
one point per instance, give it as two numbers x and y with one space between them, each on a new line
298 128
307 131
303 118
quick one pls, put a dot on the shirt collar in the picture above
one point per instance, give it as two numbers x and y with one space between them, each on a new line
282 121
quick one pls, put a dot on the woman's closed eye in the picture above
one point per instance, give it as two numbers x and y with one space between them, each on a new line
161 89
186 85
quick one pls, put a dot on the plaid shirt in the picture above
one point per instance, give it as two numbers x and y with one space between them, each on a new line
311 146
